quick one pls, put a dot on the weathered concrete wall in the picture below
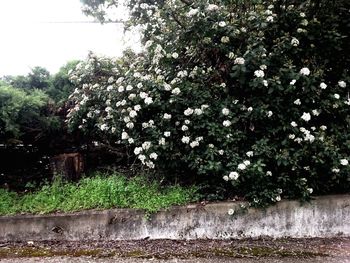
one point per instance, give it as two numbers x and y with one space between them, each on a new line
327 216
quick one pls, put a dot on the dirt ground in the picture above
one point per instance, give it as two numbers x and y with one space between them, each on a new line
198 260
159 251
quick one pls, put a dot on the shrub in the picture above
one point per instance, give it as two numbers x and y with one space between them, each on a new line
254 94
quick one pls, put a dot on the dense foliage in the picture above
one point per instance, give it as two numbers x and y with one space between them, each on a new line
21 117
32 124
254 93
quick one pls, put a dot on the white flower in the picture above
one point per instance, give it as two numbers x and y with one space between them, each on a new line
132 114
292 82
188 112
297 102
304 22
269 173
310 190
187 122
336 96
142 158
167 116
132 96
246 162
225 111
225 178
295 42
231 55
323 127
250 153
222 24
192 12
204 106
138 150
291 136
120 89
167 87
198 111
315 112
146 145
167 134
129 87
242 166
221 152
104 127
263 67
309 137
269 19
278 198
150 164
174 55
130 125
148 100
335 170
161 141
153 156
139 85
131 140
226 123
143 95
342 84
250 109
225 39
239 61
194 144
265 83
126 119
184 128
137 107
185 139
294 124
323 85
125 136
259 73
306 116
176 91
269 114
233 175
231 211
298 140
110 80
305 71
212 7
344 162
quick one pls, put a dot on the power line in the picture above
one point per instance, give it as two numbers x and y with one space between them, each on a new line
82 22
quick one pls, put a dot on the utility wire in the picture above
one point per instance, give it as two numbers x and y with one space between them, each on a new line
82 22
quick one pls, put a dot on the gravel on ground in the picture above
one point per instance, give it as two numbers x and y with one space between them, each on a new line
316 250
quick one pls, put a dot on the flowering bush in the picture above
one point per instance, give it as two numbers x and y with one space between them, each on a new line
252 95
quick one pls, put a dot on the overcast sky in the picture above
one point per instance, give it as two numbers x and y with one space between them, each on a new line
36 33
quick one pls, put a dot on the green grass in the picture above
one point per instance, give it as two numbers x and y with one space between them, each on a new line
97 192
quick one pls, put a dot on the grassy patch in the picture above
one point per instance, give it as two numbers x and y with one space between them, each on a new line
99 191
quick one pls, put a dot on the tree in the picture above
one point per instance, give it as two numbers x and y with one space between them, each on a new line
38 78
60 85
21 115
244 91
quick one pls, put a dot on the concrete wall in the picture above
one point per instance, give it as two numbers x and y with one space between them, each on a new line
327 216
